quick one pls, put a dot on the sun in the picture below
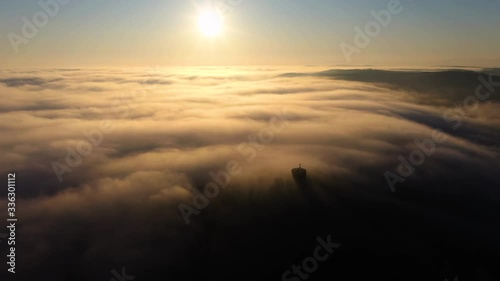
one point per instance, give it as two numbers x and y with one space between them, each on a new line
210 23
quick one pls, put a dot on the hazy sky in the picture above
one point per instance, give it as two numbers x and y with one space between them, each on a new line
150 32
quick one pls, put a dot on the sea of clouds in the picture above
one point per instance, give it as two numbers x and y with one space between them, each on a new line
160 132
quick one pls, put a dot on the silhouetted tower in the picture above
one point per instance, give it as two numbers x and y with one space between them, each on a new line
299 174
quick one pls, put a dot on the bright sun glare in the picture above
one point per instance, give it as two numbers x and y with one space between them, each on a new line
210 23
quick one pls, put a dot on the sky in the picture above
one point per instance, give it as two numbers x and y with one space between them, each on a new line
257 32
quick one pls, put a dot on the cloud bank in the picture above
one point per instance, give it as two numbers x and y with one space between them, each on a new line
160 132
